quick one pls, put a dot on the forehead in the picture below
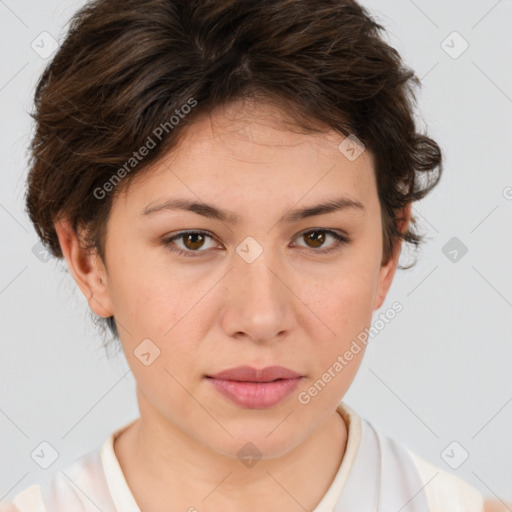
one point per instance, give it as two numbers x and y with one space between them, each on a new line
251 150
257 132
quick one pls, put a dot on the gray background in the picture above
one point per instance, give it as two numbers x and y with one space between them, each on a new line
438 373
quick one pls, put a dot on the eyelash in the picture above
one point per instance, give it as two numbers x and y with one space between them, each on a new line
340 240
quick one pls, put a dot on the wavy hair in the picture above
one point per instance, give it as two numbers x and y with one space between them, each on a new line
126 67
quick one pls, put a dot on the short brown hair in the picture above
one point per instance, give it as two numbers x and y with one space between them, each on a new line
127 67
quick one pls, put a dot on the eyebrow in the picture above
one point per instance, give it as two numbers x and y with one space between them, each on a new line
212 212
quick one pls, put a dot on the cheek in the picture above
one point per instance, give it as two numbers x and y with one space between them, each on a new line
147 298
342 311
162 330
345 300
138 299
161 309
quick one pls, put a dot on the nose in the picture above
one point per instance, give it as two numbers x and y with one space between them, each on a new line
258 302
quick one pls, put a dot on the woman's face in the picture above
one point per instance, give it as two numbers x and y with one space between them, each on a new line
270 288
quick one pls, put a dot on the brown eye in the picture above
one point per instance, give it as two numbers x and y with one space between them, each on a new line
316 238
193 241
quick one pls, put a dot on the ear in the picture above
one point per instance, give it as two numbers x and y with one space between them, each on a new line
87 269
387 271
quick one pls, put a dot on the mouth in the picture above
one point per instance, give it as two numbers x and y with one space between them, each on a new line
250 374
256 389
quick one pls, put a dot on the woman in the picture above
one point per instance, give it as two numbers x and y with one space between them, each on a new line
230 183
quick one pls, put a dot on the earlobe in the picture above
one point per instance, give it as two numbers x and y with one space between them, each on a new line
86 268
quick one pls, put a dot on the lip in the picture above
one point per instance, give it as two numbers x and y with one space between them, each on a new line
256 389
250 374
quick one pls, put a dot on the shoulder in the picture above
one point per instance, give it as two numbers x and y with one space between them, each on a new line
420 483
445 490
79 487
8 507
28 500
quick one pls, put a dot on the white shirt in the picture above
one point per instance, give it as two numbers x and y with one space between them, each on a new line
377 474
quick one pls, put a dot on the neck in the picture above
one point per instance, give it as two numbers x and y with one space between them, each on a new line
166 468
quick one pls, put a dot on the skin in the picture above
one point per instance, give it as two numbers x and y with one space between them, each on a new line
290 306
491 505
